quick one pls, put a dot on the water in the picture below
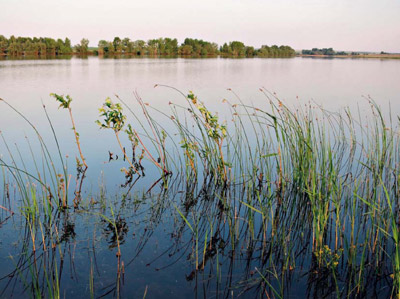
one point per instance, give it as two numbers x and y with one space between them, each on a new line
333 83
156 244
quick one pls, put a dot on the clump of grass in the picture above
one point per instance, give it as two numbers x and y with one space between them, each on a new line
48 177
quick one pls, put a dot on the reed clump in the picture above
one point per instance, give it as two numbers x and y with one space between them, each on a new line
299 191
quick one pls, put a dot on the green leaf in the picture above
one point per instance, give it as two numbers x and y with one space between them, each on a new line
269 155
184 218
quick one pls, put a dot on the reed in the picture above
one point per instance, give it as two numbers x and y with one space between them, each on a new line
290 192
81 164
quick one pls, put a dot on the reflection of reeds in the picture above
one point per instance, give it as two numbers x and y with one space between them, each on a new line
280 192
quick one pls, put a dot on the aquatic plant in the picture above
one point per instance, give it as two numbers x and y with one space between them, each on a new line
115 120
66 104
262 199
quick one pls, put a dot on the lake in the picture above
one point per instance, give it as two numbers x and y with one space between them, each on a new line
191 234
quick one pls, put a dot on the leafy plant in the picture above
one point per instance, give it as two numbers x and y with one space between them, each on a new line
215 130
114 119
65 102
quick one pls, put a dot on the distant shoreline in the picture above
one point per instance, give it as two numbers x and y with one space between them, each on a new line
43 57
380 56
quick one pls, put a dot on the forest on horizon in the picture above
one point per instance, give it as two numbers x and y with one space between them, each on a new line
45 46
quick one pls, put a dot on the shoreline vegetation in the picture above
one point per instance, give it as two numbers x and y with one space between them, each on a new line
329 52
39 47
168 47
370 55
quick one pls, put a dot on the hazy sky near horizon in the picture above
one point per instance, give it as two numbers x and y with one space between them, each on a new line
364 25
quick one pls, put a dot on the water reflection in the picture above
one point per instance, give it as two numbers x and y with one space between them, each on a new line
224 253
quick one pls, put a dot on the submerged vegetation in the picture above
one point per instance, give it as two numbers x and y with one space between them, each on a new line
266 201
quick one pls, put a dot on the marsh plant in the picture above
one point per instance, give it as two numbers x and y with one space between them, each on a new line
114 119
215 131
262 200
81 165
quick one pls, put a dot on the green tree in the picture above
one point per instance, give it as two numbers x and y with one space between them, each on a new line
41 48
29 48
50 46
186 50
139 47
82 47
237 48
103 47
250 52
3 45
14 49
67 44
152 47
198 47
117 43
127 45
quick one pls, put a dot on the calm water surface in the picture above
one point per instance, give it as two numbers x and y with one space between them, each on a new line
332 83
154 255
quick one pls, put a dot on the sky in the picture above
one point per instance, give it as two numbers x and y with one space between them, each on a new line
359 25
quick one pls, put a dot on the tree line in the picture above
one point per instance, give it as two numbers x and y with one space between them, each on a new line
238 49
326 51
190 47
37 46
44 46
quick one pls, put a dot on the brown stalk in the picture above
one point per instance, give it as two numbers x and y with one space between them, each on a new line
222 160
77 139
152 128
126 156
1 207
149 155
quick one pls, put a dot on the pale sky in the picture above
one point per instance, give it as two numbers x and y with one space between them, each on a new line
363 25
